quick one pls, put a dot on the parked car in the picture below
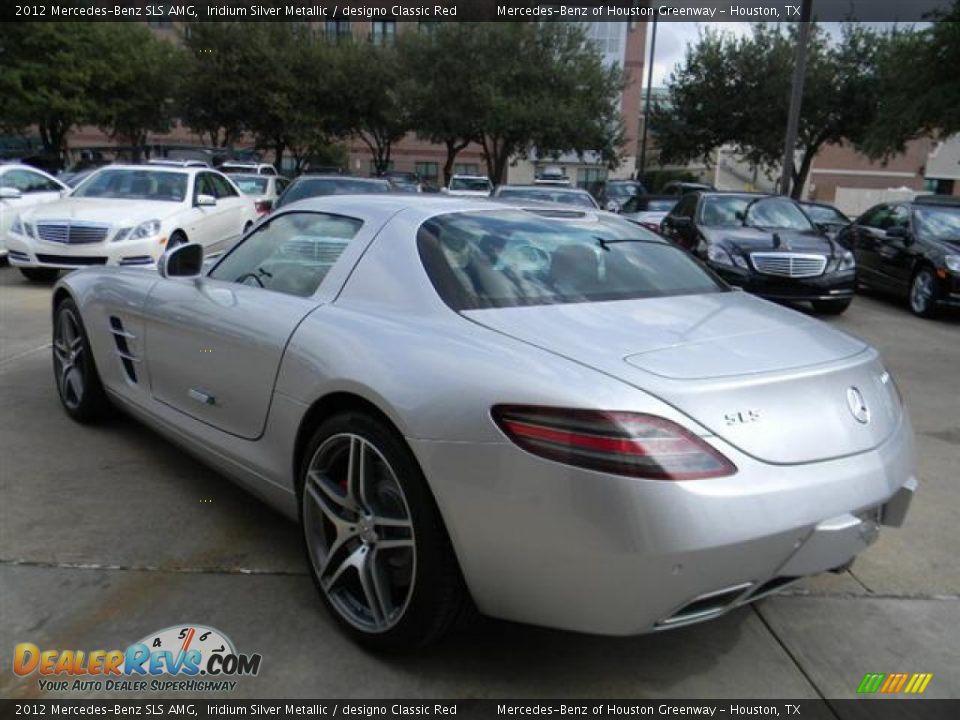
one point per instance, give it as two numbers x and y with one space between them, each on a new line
469 186
613 194
403 181
567 422
765 244
23 187
678 187
265 189
307 186
648 210
247 168
547 193
552 175
911 249
128 215
826 217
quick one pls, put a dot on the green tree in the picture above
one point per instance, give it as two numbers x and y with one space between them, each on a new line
442 64
48 79
222 64
136 88
735 91
917 89
369 97
543 86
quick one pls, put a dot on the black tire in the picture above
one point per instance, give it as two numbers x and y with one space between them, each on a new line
831 307
75 371
40 275
923 294
434 593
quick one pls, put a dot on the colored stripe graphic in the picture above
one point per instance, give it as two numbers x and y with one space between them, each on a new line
893 683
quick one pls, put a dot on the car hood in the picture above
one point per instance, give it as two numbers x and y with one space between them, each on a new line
120 213
767 379
749 239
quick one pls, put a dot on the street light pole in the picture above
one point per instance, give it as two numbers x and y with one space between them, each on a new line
646 109
796 96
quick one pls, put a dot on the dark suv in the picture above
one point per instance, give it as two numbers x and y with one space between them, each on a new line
911 249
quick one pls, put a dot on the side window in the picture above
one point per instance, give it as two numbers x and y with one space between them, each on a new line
874 217
204 185
28 182
290 254
281 185
268 171
222 186
899 217
686 207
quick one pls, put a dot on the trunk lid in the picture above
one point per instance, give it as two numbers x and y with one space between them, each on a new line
769 380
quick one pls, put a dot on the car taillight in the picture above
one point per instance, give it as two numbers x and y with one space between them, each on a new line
623 443
263 206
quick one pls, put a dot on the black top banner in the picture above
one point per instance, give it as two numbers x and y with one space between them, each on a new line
904 11
327 709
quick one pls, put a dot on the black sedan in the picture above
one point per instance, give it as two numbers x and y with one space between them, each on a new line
767 245
307 186
911 249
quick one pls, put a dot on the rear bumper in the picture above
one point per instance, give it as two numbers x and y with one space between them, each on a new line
831 286
544 543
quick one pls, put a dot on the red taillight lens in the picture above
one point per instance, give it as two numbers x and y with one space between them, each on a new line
623 443
263 206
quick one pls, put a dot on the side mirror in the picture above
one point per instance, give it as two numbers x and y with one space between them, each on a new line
206 201
182 261
680 223
9 193
613 206
899 233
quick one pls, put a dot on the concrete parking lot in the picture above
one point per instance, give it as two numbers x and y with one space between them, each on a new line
108 533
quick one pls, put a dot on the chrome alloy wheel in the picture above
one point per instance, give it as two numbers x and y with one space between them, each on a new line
68 360
921 292
359 532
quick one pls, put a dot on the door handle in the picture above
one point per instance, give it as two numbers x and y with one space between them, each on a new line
201 396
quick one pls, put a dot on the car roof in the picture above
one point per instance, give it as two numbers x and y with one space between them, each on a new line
189 169
939 200
421 207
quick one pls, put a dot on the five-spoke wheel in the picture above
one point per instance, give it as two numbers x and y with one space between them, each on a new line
377 547
78 383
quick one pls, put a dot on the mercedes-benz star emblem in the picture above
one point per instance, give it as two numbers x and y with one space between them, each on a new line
858 406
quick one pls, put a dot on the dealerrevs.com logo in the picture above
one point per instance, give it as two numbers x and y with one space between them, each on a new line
203 657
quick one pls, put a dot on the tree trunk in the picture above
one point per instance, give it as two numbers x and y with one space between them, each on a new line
800 174
278 148
453 149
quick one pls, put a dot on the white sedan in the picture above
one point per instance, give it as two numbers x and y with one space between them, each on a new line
22 187
128 215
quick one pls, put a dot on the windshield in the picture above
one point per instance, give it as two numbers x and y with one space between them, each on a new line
251 184
624 190
135 185
824 214
511 258
938 223
553 196
776 212
472 184
313 187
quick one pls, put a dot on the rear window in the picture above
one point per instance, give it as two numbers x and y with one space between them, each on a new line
314 187
514 258
251 184
552 196
471 184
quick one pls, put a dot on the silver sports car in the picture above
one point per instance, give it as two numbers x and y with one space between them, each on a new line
548 413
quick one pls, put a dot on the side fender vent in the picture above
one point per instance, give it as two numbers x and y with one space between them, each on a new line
122 339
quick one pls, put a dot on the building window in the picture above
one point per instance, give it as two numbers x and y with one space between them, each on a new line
383 32
338 30
466 169
428 171
373 168
587 176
